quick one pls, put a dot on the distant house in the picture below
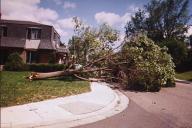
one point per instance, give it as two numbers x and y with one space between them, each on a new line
35 42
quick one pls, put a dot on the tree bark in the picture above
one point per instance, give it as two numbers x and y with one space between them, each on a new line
36 75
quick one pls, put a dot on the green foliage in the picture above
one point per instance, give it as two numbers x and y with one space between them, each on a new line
107 36
161 19
177 49
137 23
14 63
149 67
89 43
46 67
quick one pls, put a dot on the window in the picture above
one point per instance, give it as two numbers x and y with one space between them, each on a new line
34 33
3 31
32 57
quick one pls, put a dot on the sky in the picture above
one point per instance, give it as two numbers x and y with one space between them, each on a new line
59 13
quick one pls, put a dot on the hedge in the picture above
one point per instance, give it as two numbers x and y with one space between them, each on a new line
45 67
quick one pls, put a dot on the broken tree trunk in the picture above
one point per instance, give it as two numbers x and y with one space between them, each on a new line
36 75
75 72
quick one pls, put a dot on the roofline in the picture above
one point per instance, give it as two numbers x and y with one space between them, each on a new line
25 22
56 31
29 22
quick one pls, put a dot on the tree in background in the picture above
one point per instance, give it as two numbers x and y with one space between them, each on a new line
137 24
161 19
177 49
165 22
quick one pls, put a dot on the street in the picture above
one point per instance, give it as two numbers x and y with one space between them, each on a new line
169 108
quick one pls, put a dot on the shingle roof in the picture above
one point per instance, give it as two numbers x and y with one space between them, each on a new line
20 22
45 44
12 42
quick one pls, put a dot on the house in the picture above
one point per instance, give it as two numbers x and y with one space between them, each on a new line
35 42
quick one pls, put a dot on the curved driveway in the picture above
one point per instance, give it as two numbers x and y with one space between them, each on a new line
169 108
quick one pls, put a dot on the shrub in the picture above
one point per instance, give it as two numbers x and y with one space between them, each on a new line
149 67
14 63
46 67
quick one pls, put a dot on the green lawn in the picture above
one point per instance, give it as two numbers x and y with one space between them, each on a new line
15 89
184 75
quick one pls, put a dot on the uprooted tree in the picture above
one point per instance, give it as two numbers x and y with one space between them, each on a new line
139 64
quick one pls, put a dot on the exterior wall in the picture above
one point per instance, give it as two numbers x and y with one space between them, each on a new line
44 56
32 44
23 55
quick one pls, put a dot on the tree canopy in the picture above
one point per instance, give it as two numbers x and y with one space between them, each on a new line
161 19
89 42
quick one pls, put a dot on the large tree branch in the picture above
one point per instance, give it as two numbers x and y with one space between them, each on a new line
105 57
98 60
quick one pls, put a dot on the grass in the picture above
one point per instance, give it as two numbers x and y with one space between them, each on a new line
15 89
184 75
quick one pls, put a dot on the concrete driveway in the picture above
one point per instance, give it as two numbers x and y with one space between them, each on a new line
169 108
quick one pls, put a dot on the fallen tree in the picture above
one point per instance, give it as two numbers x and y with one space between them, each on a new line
89 67
140 65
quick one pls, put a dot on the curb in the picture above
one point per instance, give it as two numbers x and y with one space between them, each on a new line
118 105
183 81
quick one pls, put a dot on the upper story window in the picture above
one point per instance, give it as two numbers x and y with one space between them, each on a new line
3 31
34 33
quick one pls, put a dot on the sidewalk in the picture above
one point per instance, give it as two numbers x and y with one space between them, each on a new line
100 103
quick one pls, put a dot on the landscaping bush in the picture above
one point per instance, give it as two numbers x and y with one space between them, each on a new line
46 67
150 67
14 63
